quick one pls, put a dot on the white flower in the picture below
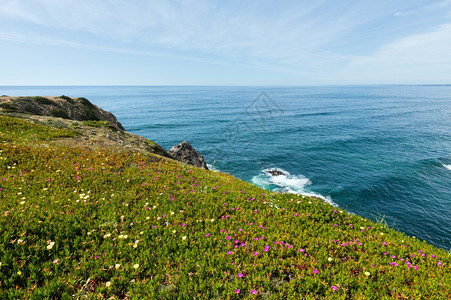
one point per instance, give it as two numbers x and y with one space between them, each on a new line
117 265
367 273
184 237
22 202
172 213
136 266
108 283
330 259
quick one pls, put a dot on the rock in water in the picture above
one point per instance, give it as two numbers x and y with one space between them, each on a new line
184 152
276 172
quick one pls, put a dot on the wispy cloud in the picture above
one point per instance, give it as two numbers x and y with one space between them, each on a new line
422 57
302 38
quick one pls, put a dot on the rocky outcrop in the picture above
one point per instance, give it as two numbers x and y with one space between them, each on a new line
78 109
186 153
276 173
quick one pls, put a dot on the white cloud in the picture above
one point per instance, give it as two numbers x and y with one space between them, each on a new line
418 58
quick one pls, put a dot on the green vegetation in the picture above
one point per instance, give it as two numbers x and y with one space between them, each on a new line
82 223
99 124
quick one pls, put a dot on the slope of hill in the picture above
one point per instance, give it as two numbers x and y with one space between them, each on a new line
92 219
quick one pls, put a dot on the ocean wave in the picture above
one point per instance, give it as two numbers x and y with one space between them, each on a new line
447 167
287 183
212 168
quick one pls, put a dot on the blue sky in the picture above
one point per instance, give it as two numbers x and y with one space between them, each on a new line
197 42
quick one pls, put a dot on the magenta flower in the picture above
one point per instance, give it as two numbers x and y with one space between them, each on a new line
229 252
255 253
237 291
315 271
254 292
240 275
228 238
207 235
334 288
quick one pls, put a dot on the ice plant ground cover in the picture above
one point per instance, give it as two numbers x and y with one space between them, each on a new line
78 222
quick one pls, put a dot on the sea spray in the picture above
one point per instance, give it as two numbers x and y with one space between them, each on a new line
285 182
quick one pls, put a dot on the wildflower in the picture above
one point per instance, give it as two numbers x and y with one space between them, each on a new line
237 291
117 266
367 273
330 259
108 283
184 237
254 292
207 235
255 253
315 271
334 288
240 275
136 266
50 245
22 202
229 252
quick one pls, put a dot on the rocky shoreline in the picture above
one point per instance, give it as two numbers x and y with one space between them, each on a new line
95 126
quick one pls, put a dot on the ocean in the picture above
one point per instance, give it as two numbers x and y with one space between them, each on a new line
381 152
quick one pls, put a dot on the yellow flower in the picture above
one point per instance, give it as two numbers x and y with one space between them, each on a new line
108 283
184 237
367 273
19 273
117 266
330 259
136 266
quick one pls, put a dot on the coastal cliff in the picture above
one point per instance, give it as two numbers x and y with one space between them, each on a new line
95 127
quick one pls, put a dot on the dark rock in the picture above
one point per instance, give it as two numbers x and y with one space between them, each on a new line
78 109
184 152
276 172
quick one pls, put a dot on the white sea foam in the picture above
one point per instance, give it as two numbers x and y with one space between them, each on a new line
448 167
286 183
212 168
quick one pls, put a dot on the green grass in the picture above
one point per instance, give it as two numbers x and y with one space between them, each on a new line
82 223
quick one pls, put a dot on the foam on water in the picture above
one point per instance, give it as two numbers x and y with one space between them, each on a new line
447 167
286 183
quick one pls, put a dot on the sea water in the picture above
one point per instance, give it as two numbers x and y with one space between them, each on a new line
382 152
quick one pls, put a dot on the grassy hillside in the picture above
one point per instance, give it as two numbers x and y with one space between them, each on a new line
85 222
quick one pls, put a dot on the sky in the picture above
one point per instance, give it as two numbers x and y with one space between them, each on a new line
199 42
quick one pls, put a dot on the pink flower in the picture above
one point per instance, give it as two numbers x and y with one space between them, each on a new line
255 253
229 237
207 235
254 292
240 275
315 271
237 291
334 288
229 252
